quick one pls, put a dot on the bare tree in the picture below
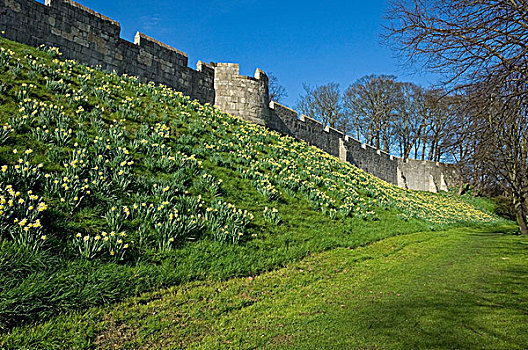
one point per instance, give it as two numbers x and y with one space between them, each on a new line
322 103
371 103
503 124
480 46
463 142
276 91
467 40
441 112
410 120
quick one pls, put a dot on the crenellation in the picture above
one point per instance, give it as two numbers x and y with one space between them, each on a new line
161 51
404 173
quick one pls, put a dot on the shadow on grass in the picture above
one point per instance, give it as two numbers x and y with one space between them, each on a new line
473 295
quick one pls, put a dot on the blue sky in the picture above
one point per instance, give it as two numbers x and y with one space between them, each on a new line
299 41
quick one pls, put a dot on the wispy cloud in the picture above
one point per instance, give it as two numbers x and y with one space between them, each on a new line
150 21
226 6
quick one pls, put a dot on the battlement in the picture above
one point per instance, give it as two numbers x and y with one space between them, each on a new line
91 38
163 51
73 4
94 39
406 173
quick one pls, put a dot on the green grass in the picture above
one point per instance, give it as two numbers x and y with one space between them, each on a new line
135 187
456 289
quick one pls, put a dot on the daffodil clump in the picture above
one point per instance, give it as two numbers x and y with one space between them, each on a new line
20 217
271 215
6 58
111 244
226 222
92 161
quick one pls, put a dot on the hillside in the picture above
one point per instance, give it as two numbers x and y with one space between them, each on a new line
110 187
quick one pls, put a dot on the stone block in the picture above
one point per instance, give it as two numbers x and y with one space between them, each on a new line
56 31
144 58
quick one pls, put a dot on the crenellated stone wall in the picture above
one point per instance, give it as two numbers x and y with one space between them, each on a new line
410 173
93 39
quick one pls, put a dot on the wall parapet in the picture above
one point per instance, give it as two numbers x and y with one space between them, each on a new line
94 39
146 41
91 12
407 173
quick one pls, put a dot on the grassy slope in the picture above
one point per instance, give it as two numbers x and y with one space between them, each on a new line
455 289
114 144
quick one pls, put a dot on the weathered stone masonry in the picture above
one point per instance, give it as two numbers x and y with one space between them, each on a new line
91 38
240 95
410 173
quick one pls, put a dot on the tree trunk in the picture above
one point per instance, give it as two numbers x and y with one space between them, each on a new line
522 221
432 150
521 214
460 188
385 138
406 153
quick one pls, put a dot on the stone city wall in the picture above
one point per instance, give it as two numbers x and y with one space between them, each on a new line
410 173
425 175
93 39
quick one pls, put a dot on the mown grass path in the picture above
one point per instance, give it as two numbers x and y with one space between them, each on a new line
455 289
